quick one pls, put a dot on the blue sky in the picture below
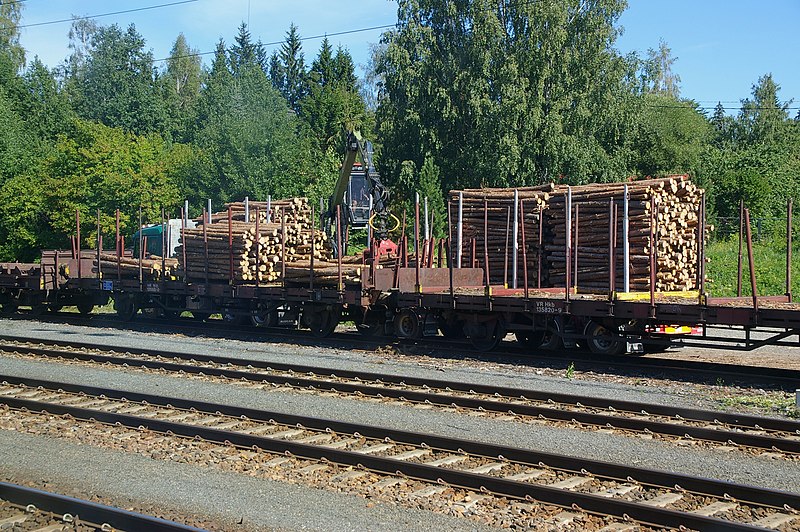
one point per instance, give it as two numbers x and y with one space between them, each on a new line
722 46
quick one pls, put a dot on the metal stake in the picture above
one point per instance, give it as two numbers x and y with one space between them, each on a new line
626 249
515 240
750 258
459 229
789 249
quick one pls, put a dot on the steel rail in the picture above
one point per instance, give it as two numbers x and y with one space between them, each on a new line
505 399
88 511
596 504
685 370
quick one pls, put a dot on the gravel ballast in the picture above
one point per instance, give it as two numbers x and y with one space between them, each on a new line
227 497
213 499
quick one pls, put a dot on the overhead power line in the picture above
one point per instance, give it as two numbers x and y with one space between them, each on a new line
275 43
60 21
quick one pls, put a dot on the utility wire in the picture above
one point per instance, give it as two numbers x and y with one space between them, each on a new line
275 43
49 22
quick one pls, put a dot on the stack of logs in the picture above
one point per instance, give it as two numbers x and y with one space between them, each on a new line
487 229
152 267
243 251
487 234
677 204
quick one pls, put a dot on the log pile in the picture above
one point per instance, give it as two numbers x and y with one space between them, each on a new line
248 252
676 217
153 268
487 234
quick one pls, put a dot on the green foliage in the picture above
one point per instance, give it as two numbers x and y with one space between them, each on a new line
289 75
181 84
10 16
107 168
754 156
506 95
673 136
118 86
332 106
247 136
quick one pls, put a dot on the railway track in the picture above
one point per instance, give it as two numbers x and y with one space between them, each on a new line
27 509
622 495
774 436
680 370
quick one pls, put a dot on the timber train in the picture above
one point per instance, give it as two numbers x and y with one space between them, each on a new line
409 302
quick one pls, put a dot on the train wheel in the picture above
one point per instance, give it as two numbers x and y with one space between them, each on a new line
407 325
262 318
85 307
54 307
202 316
603 341
369 322
492 333
125 307
323 321
551 337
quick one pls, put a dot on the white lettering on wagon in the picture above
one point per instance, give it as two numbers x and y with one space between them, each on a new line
546 307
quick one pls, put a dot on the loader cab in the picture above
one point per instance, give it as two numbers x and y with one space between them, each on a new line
358 198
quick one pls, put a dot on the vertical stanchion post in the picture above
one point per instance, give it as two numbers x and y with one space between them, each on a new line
185 213
258 246
739 261
99 247
524 248
750 261
230 244
702 284
626 241
427 227
185 219
486 242
652 250
369 224
450 252
505 257
431 244
205 247
78 246
164 236
539 250
568 243
118 246
610 246
789 249
208 212
311 277
247 209
283 247
141 251
269 209
460 229
515 240
339 244
417 287
577 243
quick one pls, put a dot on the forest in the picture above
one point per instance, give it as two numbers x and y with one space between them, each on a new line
460 93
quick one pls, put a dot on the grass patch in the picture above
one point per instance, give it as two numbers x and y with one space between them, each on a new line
770 259
783 404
